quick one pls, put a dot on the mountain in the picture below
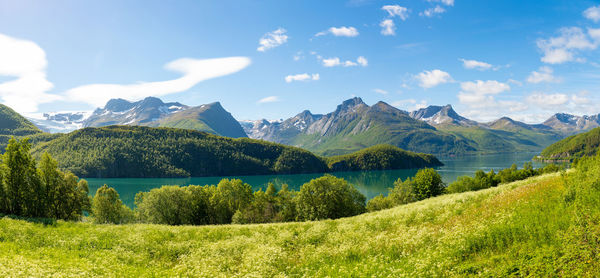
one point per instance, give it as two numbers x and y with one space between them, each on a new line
151 111
355 125
212 118
60 121
123 112
441 115
583 144
572 124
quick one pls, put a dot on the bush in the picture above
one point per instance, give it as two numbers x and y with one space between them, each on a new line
328 197
427 183
107 207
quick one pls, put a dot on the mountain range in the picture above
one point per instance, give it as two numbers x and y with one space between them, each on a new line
352 126
151 111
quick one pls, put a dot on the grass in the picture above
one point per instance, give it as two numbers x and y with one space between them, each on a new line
522 228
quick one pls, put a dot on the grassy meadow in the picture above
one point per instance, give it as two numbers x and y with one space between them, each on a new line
543 226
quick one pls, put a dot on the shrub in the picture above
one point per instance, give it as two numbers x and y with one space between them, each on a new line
328 197
108 208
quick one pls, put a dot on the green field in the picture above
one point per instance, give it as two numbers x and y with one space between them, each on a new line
543 226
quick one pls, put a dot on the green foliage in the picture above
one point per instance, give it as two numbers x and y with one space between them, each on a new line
427 183
39 192
107 207
133 151
576 146
328 197
481 180
381 157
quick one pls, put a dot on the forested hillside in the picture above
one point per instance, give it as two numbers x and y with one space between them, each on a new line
134 151
381 157
576 146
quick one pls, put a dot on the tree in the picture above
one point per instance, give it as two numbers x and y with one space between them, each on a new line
328 197
230 196
166 205
427 183
107 207
21 181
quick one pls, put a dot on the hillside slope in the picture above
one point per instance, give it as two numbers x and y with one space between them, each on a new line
136 151
211 118
584 144
515 229
143 152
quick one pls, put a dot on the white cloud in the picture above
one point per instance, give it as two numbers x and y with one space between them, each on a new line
302 77
388 28
544 74
592 13
563 48
433 11
410 104
194 71
594 34
481 93
335 62
362 61
473 64
396 10
26 61
547 101
445 2
340 32
272 39
429 79
268 99
380 91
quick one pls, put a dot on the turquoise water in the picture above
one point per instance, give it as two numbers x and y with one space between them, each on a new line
370 183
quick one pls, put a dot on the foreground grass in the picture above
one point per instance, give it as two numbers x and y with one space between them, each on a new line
515 229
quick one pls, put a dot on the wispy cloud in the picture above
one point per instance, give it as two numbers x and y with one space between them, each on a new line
592 13
445 2
380 91
388 28
433 11
336 62
544 74
194 71
26 61
340 32
429 79
564 47
474 64
302 77
272 39
268 99
396 11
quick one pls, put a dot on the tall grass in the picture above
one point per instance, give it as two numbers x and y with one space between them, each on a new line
543 226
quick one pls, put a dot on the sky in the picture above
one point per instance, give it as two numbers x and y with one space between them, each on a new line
273 59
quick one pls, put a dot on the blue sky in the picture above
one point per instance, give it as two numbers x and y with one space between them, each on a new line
523 59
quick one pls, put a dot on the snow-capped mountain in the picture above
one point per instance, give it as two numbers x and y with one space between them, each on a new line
63 122
123 112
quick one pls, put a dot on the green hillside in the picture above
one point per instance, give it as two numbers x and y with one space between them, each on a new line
584 144
13 124
541 227
135 151
211 118
381 157
503 139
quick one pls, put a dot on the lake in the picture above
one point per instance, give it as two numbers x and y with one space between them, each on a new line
370 183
